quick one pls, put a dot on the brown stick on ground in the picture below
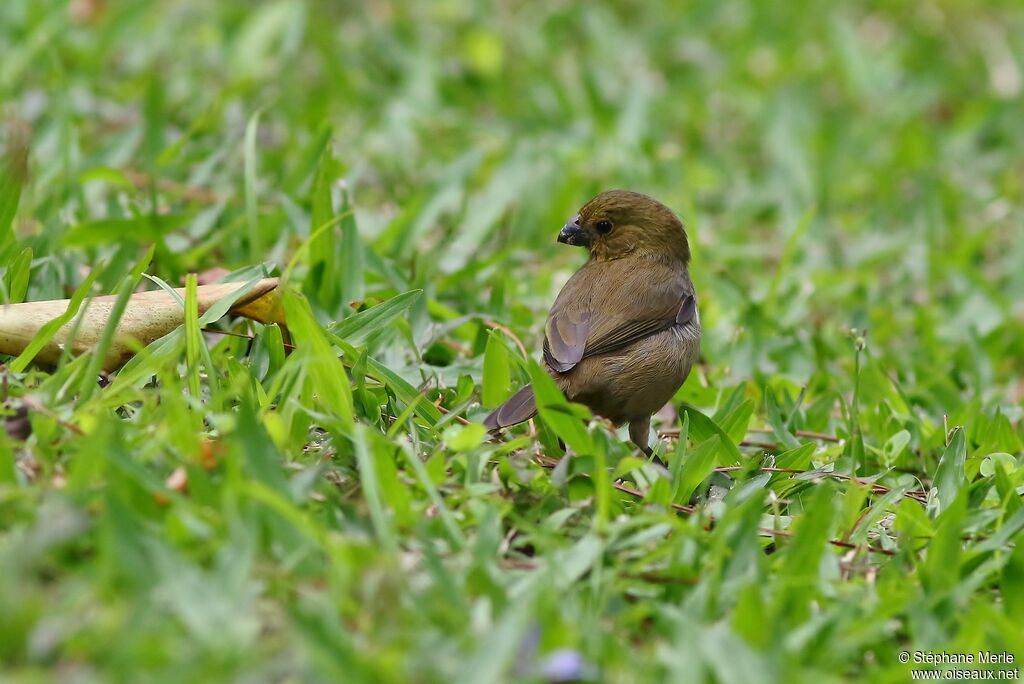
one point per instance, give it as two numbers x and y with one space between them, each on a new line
148 316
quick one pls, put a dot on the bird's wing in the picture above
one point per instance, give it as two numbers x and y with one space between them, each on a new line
565 337
602 312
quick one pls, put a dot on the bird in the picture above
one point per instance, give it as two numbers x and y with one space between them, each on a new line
625 330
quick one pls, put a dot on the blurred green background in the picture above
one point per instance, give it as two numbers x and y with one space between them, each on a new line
839 165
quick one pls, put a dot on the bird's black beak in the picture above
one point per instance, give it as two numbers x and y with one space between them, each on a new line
572 233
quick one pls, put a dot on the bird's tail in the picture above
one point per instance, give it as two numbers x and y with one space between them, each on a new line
518 408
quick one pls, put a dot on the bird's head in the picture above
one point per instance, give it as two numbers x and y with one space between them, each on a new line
619 223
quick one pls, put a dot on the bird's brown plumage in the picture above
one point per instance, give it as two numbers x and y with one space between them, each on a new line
624 331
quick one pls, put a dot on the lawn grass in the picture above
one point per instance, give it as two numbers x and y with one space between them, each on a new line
851 175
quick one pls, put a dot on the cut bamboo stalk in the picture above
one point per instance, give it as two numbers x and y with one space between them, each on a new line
147 317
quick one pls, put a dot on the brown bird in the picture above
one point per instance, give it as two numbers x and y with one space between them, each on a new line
624 331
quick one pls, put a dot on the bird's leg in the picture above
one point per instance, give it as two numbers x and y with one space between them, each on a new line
639 433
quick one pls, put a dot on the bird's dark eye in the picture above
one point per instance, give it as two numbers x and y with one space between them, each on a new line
603 226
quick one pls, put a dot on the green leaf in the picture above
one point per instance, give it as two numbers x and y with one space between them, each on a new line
124 292
872 515
465 437
325 369
16 278
798 458
993 461
352 257
219 308
323 206
735 398
736 422
113 231
323 251
940 571
1007 491
193 337
699 464
363 324
802 557
497 377
494 652
256 451
703 428
13 171
679 457
252 218
568 565
369 479
556 412
627 465
1012 584
402 389
950 476
778 422
912 522
893 447
270 31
